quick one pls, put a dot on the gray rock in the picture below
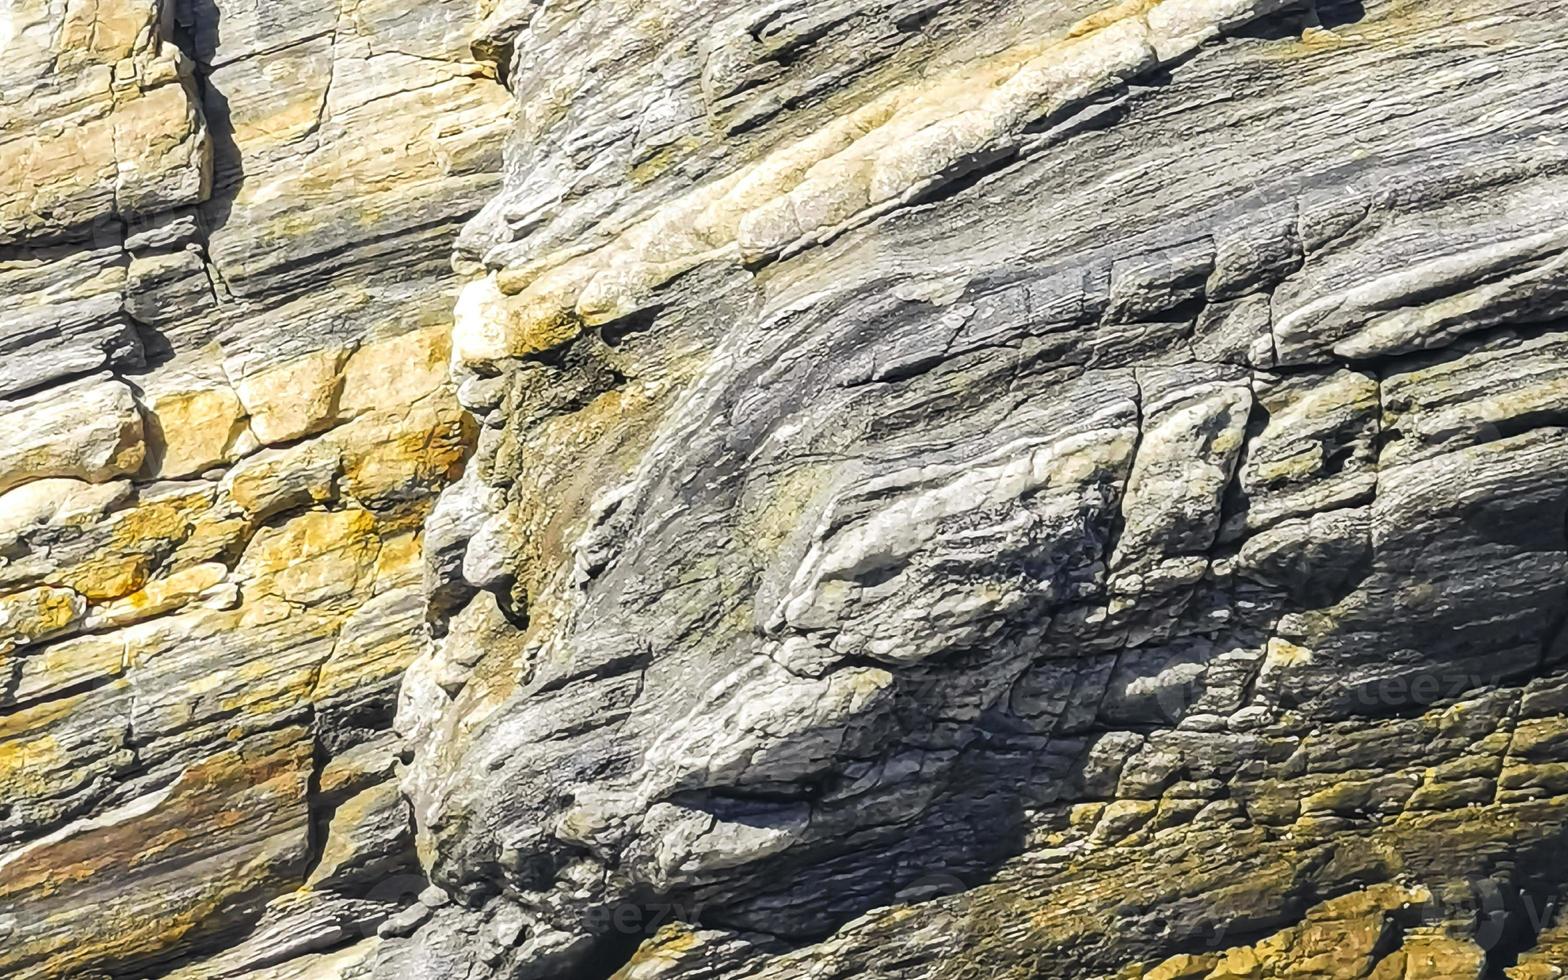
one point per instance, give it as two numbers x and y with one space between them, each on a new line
948 488
1067 529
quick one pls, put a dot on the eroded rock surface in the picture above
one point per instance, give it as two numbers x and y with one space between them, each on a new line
938 488
225 412
1113 473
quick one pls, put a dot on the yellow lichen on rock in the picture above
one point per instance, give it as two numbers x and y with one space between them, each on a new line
244 807
36 614
874 158
386 454
316 557
193 429
397 371
222 429
160 596
1337 938
122 132
31 757
132 543
294 399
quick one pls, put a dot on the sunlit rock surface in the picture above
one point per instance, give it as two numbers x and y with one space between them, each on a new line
932 488
225 412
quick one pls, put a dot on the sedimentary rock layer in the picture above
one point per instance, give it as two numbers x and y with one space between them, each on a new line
224 414
1008 490
933 488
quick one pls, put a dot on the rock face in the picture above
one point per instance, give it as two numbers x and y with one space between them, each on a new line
933 488
225 412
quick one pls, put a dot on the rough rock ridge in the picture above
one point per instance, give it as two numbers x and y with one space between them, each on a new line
933 488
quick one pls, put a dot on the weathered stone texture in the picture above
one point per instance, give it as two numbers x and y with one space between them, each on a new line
932 488
224 414
1006 489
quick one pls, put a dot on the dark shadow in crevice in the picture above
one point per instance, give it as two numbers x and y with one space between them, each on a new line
617 332
1291 23
195 19
1339 13
1286 25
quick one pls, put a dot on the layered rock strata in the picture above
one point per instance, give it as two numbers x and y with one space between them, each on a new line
943 488
1019 489
224 414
